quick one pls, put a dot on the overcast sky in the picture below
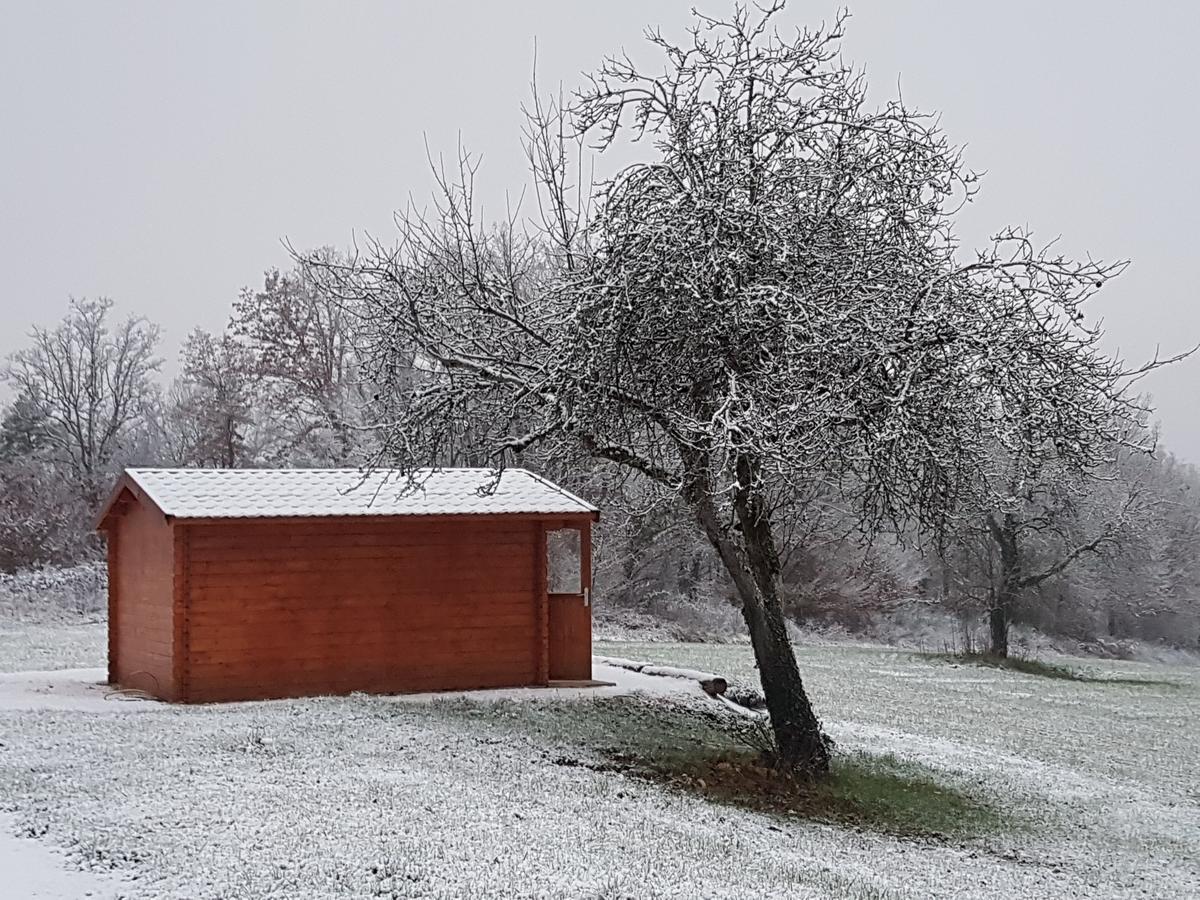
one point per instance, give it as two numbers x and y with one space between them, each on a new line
159 152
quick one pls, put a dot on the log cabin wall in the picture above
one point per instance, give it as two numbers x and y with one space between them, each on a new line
141 592
295 608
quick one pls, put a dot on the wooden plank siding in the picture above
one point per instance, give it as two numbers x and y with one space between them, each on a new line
279 609
141 607
114 562
180 603
570 637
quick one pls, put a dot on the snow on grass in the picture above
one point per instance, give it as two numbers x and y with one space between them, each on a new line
371 797
53 618
55 596
32 871
1108 772
33 646
361 797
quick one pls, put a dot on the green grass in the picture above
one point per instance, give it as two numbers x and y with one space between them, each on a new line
889 794
874 793
722 759
1038 667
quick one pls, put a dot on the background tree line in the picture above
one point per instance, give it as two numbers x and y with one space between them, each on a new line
279 387
1111 557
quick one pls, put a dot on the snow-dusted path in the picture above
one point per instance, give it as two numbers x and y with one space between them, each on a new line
81 690
85 690
622 682
30 870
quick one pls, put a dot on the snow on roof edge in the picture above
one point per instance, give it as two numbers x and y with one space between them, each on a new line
554 487
198 493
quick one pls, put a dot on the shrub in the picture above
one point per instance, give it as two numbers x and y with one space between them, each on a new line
70 595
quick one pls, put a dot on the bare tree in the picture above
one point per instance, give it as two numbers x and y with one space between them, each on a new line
1044 511
772 300
1143 581
302 344
1151 589
214 403
89 384
1082 552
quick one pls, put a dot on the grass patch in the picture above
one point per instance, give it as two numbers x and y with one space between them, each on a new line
1025 666
1037 667
721 758
873 793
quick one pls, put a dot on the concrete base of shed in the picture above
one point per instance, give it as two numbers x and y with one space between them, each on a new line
580 683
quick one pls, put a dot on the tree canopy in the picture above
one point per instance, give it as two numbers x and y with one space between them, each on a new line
772 297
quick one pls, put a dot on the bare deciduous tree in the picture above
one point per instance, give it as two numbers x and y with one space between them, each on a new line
1082 552
89 383
1045 510
214 403
302 344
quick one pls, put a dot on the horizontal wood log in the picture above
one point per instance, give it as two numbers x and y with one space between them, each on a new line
398 676
356 619
250 685
426 645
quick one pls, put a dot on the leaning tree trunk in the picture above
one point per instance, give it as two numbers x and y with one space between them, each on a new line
800 744
799 741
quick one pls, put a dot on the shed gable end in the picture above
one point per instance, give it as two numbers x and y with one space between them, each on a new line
141 599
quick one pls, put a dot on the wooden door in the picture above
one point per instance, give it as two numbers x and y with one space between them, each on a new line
570 637
569 583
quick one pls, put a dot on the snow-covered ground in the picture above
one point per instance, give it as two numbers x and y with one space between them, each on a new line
43 646
31 870
378 797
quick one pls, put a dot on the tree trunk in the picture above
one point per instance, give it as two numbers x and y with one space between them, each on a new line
801 745
230 454
1000 615
998 623
799 741
342 434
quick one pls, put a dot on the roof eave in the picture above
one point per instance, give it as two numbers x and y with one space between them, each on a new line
125 483
592 515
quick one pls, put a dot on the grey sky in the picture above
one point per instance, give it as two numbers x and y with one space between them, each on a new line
158 152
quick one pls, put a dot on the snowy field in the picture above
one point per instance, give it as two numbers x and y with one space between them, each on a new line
25 647
380 797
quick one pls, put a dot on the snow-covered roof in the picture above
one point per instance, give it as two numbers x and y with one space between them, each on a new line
274 493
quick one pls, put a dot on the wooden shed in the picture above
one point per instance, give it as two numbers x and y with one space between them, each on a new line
242 584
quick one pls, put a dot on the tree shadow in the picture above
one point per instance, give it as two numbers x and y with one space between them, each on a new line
1040 668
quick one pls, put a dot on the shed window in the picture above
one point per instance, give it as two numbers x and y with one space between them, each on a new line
564 566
